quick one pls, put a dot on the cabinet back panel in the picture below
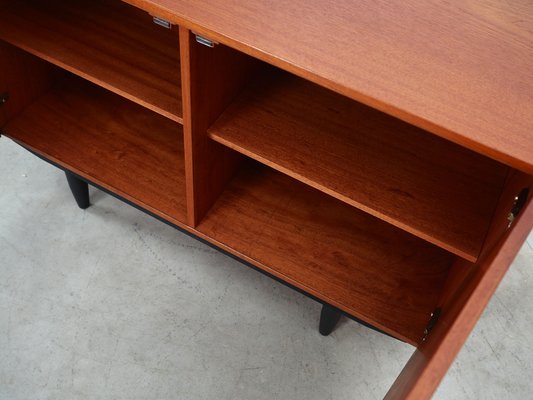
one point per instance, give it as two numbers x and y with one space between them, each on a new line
24 78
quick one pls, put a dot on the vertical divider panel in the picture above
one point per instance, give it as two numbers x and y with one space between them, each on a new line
211 78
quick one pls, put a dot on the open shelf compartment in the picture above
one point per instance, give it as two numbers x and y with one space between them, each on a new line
416 181
108 42
350 259
110 141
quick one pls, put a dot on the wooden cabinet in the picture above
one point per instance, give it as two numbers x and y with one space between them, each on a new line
384 172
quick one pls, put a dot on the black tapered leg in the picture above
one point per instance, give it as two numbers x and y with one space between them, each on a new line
329 316
79 189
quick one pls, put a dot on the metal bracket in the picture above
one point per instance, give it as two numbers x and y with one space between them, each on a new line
205 41
519 202
162 22
432 322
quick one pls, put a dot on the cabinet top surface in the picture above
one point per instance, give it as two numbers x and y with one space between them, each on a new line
462 69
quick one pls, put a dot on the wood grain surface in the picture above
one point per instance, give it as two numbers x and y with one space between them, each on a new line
107 42
111 141
423 184
460 69
354 261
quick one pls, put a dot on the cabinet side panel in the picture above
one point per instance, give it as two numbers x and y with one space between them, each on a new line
515 182
23 78
211 78
430 362
461 271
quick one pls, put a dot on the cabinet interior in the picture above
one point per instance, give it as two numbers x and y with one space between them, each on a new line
359 209
107 42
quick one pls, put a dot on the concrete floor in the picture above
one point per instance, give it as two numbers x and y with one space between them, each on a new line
109 303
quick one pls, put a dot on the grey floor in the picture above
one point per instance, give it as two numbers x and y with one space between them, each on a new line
109 303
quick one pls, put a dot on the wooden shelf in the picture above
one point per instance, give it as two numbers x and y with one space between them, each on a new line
346 257
108 42
111 141
423 184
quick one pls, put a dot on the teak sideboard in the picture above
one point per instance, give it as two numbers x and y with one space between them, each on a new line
377 156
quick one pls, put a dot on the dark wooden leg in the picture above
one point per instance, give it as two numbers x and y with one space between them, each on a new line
329 316
79 189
